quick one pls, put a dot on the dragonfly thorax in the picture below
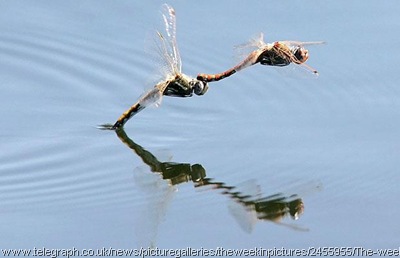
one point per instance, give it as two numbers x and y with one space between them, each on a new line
277 55
184 86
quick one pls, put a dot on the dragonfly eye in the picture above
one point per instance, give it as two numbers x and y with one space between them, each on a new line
301 54
199 87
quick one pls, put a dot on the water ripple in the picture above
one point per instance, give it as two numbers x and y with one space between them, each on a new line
52 175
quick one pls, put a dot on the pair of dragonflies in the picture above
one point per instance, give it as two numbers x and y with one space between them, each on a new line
178 84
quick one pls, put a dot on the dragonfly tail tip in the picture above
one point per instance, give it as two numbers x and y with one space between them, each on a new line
106 127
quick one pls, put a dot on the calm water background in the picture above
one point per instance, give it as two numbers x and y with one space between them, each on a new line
67 66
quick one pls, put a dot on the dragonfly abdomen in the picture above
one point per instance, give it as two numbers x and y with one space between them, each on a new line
133 110
215 77
251 59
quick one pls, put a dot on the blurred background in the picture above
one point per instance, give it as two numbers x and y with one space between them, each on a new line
266 158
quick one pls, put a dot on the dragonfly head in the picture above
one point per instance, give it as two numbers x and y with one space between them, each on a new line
301 54
199 87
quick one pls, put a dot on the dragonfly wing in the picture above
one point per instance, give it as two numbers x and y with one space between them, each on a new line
243 50
246 217
151 97
259 41
162 55
301 43
168 14
157 196
161 45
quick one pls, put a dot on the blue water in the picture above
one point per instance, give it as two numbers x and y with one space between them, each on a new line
333 142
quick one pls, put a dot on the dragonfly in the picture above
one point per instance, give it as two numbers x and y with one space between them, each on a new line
175 83
279 53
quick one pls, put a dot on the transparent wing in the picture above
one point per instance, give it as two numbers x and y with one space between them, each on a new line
303 189
156 196
157 48
244 216
300 43
161 46
169 40
297 71
154 95
292 226
244 50
310 71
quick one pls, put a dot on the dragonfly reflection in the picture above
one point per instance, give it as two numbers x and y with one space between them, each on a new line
265 208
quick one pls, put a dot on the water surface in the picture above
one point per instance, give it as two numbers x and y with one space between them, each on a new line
328 145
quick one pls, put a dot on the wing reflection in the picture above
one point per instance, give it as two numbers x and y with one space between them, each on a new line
247 204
